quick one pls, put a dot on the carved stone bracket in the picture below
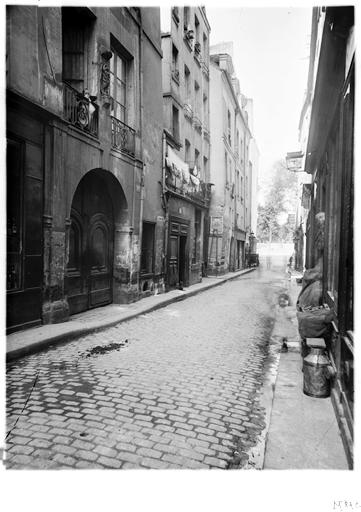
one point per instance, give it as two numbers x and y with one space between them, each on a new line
106 55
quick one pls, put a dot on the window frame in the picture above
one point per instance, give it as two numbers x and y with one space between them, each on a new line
175 125
124 82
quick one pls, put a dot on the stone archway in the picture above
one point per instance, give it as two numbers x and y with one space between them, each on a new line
97 246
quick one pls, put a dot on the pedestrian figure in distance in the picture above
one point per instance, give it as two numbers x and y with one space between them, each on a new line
268 262
289 268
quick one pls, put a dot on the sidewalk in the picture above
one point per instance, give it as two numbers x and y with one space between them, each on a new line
303 431
33 340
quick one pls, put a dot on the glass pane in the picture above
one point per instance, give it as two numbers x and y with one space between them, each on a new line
99 248
120 68
120 112
120 95
174 247
74 247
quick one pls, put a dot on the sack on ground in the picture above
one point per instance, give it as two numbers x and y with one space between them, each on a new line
311 295
312 274
314 322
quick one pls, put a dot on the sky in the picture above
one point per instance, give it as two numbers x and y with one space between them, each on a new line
270 57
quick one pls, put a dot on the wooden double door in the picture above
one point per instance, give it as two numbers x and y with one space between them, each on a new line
90 265
178 259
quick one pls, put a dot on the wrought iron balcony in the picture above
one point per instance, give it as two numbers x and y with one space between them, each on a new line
205 69
197 53
188 111
206 133
123 137
202 195
80 109
197 123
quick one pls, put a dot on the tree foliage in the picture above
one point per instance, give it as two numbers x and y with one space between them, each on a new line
280 195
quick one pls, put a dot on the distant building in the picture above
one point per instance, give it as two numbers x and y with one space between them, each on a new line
84 159
233 169
328 121
185 46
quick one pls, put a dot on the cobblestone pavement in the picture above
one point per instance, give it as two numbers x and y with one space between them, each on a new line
176 388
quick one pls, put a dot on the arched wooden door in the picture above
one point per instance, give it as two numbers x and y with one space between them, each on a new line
90 265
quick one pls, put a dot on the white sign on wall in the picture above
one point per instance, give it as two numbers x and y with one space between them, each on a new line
216 225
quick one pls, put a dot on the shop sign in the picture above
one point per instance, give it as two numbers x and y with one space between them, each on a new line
294 161
216 225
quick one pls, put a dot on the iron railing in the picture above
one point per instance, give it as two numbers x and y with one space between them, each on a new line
197 123
206 133
205 69
188 111
80 110
123 136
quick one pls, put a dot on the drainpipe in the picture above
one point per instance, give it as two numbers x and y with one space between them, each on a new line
141 81
165 202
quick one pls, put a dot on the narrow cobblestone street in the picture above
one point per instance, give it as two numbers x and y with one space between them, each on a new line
176 388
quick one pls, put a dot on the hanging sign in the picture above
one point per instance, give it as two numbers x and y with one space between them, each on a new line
294 161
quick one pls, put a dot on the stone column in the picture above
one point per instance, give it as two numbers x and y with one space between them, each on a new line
55 306
122 264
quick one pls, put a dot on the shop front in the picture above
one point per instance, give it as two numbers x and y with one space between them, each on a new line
187 199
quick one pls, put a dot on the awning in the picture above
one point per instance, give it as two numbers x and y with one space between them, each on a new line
176 164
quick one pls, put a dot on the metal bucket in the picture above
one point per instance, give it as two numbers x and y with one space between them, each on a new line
316 381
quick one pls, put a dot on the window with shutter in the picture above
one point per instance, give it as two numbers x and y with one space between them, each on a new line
74 49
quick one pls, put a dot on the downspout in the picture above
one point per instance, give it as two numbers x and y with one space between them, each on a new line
141 149
165 203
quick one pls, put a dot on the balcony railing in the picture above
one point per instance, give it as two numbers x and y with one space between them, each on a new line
188 111
197 53
205 69
123 137
197 123
206 134
80 110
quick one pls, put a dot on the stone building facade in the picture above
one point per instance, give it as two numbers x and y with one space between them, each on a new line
185 46
232 171
329 161
84 160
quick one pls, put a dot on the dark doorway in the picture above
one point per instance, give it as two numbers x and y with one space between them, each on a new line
90 265
231 256
177 254
24 230
239 256
182 260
